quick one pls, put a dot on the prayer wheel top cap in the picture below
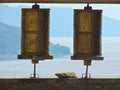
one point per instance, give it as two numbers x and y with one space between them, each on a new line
88 7
35 6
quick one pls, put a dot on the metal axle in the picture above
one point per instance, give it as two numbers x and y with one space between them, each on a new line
86 74
34 73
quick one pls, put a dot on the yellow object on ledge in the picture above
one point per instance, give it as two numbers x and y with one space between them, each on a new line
66 75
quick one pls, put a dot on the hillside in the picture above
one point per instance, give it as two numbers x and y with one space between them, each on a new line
61 21
10 42
9 39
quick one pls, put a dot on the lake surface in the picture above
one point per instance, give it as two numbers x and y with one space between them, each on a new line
109 67
17 68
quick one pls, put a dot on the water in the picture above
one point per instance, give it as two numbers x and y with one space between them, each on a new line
47 69
108 68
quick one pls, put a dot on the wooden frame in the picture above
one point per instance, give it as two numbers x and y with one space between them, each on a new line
63 1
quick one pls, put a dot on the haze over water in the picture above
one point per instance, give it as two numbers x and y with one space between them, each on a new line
109 67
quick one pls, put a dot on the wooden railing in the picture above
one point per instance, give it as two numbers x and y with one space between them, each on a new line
60 84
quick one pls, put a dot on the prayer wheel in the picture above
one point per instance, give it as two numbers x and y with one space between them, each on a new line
35 34
87 34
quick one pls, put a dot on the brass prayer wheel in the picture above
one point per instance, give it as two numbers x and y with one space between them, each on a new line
35 34
87 34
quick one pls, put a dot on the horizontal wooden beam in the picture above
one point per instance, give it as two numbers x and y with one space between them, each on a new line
63 1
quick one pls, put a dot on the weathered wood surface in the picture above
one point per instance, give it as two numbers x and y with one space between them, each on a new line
59 84
61 1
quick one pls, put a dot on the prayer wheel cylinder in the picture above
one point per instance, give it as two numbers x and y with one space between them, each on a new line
35 34
87 34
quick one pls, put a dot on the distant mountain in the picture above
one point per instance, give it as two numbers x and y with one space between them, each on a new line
10 42
59 51
110 27
10 15
61 21
9 39
62 24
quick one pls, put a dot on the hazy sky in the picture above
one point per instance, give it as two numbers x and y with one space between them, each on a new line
110 10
